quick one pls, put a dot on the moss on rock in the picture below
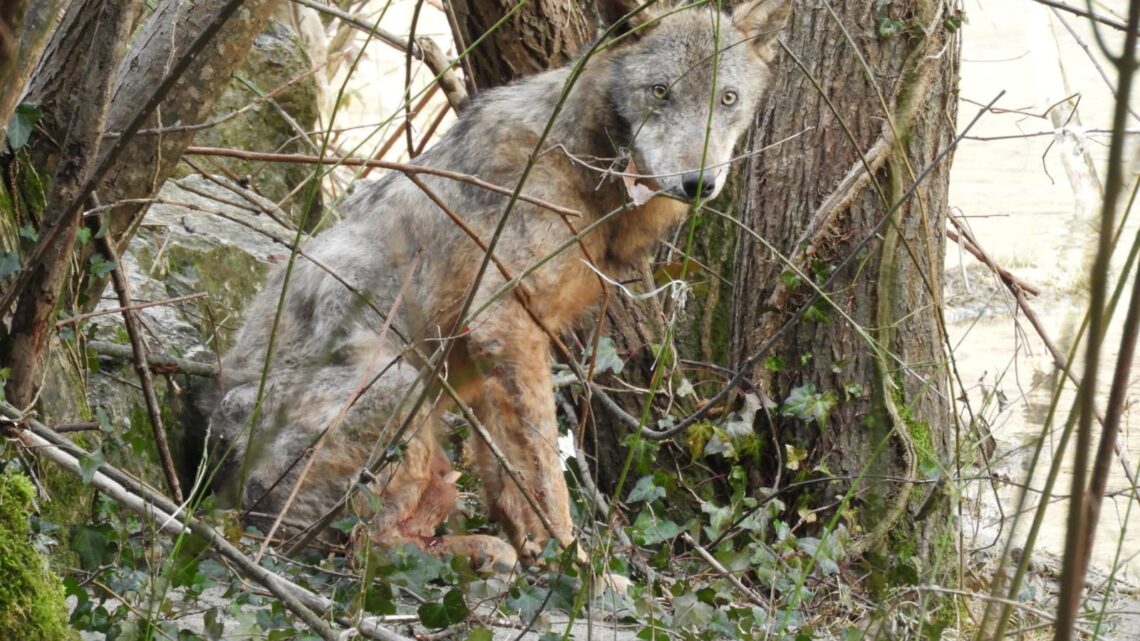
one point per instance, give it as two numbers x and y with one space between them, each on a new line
31 597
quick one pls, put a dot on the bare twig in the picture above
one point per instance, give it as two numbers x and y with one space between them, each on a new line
127 307
756 599
159 363
406 168
139 351
1096 17
422 48
966 240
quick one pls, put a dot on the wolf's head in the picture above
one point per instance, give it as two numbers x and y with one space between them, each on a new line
687 81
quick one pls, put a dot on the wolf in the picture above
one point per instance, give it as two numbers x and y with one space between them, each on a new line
397 314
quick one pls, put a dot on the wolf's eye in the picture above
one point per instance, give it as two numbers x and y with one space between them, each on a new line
728 98
660 91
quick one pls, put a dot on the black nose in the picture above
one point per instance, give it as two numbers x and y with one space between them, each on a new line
696 184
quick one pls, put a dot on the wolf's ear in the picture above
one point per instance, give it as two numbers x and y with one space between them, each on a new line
614 12
760 21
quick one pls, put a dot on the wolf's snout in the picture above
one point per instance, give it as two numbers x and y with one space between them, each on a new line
697 184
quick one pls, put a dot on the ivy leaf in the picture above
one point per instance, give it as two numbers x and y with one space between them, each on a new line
22 124
100 266
809 404
480 634
438 616
92 544
28 232
649 529
214 624
646 490
89 464
9 263
608 359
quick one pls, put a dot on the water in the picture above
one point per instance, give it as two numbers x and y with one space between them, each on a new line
1035 210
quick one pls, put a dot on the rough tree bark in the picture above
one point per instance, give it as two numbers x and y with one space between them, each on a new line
892 417
542 34
72 88
151 157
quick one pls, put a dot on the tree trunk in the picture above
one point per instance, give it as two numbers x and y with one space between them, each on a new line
72 88
541 35
150 158
874 347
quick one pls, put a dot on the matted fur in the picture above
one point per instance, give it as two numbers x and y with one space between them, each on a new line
645 98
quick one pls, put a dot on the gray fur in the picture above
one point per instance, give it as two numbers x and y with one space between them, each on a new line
395 238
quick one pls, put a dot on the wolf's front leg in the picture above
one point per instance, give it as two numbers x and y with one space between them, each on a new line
515 402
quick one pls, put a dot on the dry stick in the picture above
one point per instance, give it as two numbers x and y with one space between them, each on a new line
132 494
138 347
406 168
126 307
1008 278
1115 24
423 48
407 122
756 599
176 70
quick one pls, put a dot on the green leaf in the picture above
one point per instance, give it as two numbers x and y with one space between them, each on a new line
9 263
809 404
99 266
437 616
214 624
646 490
22 124
480 634
28 232
89 464
83 236
608 359
93 545
649 529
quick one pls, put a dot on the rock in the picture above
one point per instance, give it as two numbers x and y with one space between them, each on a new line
202 239
277 125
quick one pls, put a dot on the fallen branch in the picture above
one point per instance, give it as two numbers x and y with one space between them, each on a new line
165 515
159 363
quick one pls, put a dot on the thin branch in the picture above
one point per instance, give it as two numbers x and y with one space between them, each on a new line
139 351
406 168
125 307
1096 17
756 599
422 48
159 363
